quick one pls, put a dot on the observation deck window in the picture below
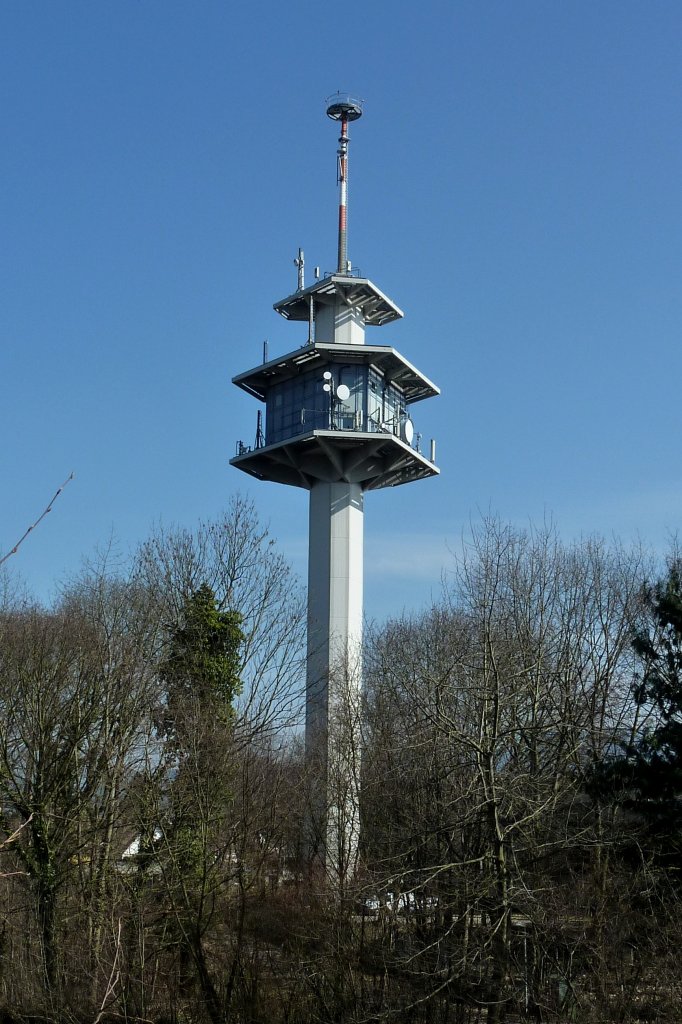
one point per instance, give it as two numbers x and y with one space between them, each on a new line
359 399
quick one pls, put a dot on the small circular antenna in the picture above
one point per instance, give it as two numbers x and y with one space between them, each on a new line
327 375
343 107
343 392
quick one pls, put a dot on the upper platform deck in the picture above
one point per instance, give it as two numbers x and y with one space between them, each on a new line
358 292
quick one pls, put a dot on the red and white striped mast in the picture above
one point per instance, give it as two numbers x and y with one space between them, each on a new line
344 108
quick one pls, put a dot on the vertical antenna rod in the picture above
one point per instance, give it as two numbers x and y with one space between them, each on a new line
344 108
300 263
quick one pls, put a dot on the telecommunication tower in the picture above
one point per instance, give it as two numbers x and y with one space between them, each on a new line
338 424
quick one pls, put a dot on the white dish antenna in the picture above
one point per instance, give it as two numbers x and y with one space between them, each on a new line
408 430
343 392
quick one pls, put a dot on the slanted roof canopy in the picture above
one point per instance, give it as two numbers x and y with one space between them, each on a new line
393 367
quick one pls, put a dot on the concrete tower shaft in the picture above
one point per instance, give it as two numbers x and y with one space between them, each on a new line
334 672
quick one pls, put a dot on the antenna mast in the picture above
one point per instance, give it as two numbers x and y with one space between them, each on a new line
344 108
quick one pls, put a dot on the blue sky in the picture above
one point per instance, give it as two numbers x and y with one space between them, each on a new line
514 187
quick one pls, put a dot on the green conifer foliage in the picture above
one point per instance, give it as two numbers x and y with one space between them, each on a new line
656 756
202 669
646 777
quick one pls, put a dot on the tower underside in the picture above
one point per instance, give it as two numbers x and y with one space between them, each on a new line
370 460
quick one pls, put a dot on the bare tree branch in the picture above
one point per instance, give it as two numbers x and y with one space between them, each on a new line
13 551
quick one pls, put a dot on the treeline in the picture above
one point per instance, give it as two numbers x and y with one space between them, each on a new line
518 763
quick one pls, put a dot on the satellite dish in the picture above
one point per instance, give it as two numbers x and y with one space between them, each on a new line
327 375
343 392
326 387
408 430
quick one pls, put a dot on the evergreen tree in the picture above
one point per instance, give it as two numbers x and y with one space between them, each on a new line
201 670
201 676
646 778
656 757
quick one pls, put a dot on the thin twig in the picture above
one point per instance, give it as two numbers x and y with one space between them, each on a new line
114 977
17 832
11 839
40 518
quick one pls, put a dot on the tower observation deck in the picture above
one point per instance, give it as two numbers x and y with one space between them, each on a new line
338 423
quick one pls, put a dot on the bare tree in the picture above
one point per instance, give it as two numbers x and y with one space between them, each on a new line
238 559
488 710
209 811
75 699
